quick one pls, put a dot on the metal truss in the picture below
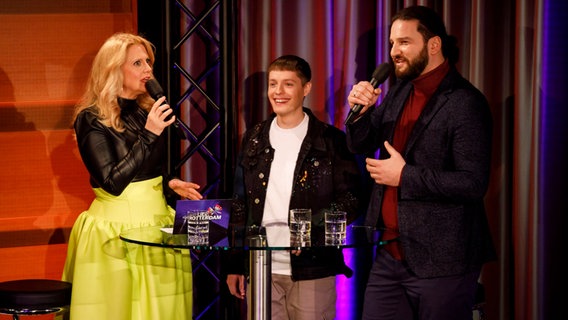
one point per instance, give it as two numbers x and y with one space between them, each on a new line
198 40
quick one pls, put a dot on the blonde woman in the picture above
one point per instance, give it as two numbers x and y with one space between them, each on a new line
119 130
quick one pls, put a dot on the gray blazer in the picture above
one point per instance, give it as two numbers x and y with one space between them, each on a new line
441 214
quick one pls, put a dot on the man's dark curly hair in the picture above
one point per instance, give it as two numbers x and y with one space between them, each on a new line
430 25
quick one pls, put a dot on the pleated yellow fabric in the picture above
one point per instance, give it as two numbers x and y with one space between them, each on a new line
117 280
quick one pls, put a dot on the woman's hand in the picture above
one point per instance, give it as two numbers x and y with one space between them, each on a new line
185 189
156 122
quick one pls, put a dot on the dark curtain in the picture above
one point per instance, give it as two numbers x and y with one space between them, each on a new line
510 50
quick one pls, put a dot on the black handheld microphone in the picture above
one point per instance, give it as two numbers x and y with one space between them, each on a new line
156 92
380 75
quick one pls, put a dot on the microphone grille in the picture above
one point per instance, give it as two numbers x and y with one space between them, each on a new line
382 72
154 89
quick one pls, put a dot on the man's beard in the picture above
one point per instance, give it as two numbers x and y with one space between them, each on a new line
415 67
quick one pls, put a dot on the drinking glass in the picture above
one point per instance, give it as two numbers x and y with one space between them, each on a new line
335 225
300 227
197 227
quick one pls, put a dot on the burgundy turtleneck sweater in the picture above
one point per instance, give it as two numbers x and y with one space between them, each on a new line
423 88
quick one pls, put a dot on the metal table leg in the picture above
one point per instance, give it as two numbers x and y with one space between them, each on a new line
260 278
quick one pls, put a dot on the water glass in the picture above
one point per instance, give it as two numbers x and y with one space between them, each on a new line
197 227
335 225
300 227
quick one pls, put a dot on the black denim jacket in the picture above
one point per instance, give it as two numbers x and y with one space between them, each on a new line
326 177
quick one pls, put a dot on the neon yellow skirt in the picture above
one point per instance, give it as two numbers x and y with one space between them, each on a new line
116 280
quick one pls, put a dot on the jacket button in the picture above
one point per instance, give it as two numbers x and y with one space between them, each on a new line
257 201
261 175
266 150
316 163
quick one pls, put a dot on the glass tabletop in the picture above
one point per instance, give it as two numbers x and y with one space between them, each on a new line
247 238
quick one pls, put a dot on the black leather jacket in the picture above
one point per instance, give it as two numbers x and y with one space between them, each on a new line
326 177
115 159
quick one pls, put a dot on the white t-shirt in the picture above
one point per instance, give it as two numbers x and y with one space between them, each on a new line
286 144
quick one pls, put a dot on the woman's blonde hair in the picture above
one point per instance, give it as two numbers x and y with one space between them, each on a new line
106 79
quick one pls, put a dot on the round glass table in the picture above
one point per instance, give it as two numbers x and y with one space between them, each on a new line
252 239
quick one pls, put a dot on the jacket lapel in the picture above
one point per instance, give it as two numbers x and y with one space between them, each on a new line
433 106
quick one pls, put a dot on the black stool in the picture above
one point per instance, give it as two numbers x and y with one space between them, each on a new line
34 297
